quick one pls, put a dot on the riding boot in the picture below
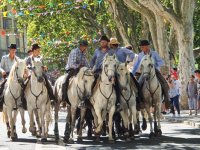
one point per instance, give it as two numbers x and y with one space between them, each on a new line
117 91
140 97
49 88
165 88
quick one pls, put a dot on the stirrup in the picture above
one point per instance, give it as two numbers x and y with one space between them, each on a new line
81 104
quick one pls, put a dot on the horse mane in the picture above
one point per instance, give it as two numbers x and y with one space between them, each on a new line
12 73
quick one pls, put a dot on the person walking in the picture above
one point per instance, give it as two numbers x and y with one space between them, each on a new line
192 93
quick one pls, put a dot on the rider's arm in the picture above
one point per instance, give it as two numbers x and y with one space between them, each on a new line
129 54
73 60
159 61
2 66
93 60
136 64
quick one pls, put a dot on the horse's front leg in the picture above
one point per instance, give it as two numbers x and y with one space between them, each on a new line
158 132
124 115
83 111
38 121
48 118
67 125
73 119
42 114
100 120
150 122
24 130
110 123
31 124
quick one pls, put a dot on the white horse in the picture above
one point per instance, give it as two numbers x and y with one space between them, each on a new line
37 98
104 96
152 93
127 98
80 87
12 97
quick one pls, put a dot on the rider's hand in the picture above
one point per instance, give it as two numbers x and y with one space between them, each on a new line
3 74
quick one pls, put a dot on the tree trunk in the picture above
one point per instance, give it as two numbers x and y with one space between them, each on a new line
186 59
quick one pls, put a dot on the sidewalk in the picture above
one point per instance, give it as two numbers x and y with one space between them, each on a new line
193 120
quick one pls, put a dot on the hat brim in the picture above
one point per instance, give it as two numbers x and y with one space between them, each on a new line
115 43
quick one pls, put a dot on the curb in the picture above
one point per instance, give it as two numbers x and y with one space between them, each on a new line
184 120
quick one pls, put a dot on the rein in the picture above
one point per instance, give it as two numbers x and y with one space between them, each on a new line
15 98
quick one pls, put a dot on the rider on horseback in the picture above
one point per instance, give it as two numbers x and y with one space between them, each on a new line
158 62
7 62
76 60
122 55
36 54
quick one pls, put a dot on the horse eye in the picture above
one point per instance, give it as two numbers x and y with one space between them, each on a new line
106 65
16 67
150 65
85 81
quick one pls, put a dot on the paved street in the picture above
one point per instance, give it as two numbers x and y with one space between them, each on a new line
175 136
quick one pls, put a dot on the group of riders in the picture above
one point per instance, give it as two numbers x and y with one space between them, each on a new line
77 59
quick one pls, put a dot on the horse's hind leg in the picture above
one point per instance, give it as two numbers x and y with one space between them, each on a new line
7 122
24 130
56 131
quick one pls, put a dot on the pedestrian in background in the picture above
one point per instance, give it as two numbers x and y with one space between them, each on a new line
174 97
192 93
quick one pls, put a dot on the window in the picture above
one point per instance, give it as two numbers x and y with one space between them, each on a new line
7 23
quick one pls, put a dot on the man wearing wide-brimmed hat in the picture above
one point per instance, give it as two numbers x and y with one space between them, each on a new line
158 62
76 60
7 62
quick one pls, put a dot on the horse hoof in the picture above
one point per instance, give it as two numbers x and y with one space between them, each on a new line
43 139
24 130
97 140
8 134
158 132
71 141
56 137
111 141
79 139
15 135
152 135
13 139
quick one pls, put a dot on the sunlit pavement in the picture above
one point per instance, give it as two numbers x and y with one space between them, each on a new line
175 136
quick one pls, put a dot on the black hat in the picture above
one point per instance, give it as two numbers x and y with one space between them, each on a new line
83 42
104 38
197 71
35 46
12 46
144 43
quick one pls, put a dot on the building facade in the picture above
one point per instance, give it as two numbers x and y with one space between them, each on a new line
9 34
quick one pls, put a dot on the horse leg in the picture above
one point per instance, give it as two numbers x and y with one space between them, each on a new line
7 122
88 119
124 116
42 114
133 113
31 127
73 119
38 121
67 125
24 130
144 122
150 122
157 113
110 124
9 112
95 117
14 122
100 124
83 111
56 131
48 119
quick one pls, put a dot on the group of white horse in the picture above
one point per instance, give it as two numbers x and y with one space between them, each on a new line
102 98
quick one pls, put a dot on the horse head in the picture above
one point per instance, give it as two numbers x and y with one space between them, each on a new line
147 66
110 64
123 75
18 69
37 69
85 81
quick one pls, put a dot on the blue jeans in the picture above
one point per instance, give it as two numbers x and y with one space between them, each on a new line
175 103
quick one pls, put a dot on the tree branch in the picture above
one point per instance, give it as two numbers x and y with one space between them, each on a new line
158 8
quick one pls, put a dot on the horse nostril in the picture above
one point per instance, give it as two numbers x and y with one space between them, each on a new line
20 80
